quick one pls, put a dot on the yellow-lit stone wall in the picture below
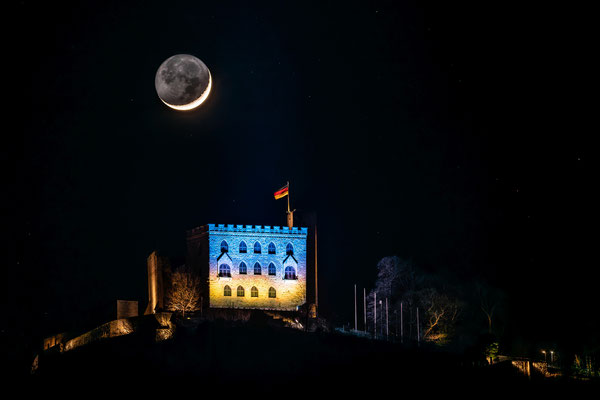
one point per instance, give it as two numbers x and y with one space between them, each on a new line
289 293
115 328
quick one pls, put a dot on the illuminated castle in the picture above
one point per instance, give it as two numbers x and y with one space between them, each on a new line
250 267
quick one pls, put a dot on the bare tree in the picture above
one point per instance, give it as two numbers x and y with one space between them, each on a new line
395 277
440 314
490 300
401 282
184 295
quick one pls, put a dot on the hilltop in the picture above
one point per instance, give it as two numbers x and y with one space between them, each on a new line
265 356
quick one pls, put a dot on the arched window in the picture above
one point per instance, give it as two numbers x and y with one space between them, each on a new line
272 293
272 249
256 248
289 249
290 273
257 269
224 271
240 291
242 247
224 247
272 269
227 291
243 269
254 292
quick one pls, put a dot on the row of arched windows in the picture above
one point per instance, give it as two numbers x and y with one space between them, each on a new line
241 292
225 270
271 249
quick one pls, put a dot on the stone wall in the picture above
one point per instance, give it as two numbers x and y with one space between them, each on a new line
52 341
127 309
159 322
111 329
290 293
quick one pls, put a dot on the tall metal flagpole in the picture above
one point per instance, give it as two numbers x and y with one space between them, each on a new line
316 276
381 316
290 213
418 328
365 307
355 314
401 325
387 320
375 315
288 196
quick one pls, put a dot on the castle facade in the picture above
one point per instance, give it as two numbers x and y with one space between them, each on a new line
251 267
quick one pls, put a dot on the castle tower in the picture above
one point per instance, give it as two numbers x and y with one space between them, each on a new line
251 267
158 270
309 219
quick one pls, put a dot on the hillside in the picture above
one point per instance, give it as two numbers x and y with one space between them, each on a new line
264 357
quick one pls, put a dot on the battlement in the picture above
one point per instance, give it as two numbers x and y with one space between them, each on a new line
251 266
250 229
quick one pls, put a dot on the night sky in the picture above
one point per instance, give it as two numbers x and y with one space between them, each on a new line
453 135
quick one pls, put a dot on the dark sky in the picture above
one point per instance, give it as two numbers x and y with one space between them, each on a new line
455 135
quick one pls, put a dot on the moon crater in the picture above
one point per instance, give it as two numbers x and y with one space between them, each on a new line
183 82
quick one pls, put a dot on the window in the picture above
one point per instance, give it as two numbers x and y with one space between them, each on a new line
242 247
254 292
272 249
240 292
224 271
256 248
257 269
289 249
227 291
243 269
272 269
290 273
224 247
272 293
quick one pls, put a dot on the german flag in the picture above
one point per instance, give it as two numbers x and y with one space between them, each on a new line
282 192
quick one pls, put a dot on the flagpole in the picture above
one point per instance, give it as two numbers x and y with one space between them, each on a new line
387 320
290 213
285 191
355 314
418 329
401 324
365 308
288 196
375 315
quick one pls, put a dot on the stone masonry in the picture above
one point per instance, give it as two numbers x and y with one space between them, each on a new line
273 289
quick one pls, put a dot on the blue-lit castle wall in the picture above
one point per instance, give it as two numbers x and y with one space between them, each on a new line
253 267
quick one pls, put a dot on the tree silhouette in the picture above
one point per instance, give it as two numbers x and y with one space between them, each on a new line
184 295
400 282
491 301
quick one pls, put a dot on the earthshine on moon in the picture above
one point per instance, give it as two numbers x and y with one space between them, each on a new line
183 82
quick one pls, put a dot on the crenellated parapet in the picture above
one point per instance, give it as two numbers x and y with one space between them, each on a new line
253 229
251 266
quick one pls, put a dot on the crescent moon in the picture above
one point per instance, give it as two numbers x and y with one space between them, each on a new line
195 103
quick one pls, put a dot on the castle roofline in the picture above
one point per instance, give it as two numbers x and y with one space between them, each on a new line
250 229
